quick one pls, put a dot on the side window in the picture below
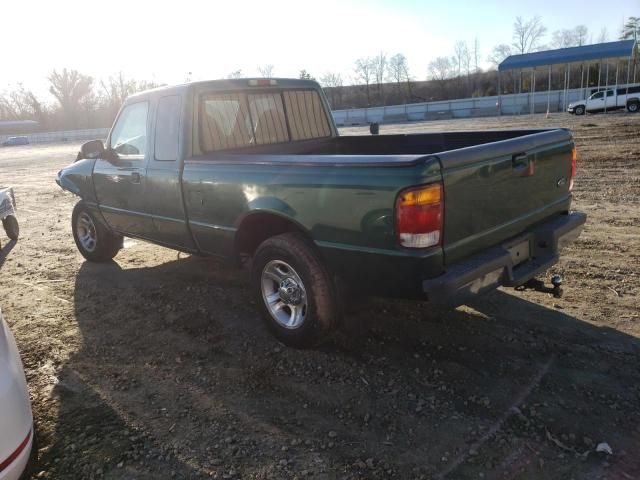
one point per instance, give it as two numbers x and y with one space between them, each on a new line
267 113
597 95
129 135
609 93
168 128
224 122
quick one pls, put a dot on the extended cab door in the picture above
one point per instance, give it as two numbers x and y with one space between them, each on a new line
611 100
120 181
164 183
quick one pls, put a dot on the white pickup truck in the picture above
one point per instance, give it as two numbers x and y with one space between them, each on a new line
619 98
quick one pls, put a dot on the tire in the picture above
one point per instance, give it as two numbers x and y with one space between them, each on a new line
293 290
633 107
11 227
93 239
579 110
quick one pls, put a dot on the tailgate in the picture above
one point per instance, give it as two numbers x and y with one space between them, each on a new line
495 191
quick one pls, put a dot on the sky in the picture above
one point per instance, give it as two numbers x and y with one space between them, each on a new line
164 40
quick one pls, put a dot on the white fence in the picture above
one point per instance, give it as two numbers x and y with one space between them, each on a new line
514 104
65 136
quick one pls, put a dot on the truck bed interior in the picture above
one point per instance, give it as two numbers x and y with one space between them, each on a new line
409 144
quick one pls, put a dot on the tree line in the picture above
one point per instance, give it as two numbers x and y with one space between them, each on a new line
84 102
80 100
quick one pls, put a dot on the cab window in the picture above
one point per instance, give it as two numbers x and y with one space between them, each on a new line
129 135
167 138
597 95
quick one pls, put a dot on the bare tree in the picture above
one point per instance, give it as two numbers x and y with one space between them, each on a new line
581 33
70 88
604 35
116 89
22 104
499 53
364 74
380 72
331 80
441 69
304 75
266 71
527 34
398 72
235 74
333 83
462 57
564 38
476 54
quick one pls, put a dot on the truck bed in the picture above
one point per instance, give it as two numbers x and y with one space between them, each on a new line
327 189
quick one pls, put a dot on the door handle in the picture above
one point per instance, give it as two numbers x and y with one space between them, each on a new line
135 177
522 165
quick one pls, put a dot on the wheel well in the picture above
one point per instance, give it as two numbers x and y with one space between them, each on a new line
257 227
633 100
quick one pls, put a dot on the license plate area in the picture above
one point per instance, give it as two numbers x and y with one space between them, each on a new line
520 252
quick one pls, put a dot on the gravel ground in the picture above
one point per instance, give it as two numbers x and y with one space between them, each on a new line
157 365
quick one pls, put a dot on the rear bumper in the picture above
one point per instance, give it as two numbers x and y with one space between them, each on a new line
495 267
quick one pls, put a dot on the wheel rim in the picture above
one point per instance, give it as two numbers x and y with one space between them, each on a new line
86 231
633 107
284 294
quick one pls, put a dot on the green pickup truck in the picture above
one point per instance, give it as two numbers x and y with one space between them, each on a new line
254 171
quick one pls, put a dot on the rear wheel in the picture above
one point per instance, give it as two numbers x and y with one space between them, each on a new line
94 241
293 290
633 107
11 227
579 110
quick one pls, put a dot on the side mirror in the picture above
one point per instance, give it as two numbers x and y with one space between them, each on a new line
92 149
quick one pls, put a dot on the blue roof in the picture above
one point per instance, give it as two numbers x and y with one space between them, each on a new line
622 48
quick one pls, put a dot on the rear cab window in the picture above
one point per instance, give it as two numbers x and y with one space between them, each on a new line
244 119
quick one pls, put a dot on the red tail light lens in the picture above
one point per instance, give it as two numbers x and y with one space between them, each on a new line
574 161
419 213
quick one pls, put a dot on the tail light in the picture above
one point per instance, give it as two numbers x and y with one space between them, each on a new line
574 160
419 213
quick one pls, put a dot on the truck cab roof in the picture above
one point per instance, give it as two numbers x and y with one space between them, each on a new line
224 85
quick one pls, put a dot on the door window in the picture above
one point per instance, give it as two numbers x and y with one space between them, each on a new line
129 135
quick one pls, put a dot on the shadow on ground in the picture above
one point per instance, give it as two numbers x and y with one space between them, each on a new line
177 374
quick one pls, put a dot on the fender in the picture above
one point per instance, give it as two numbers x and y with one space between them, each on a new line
77 178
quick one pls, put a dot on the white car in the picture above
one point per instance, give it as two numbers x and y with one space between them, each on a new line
626 96
16 420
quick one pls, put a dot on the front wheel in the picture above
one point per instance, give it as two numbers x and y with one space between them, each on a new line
11 227
94 241
293 290
579 110
633 107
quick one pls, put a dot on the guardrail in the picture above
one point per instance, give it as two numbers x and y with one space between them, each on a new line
63 136
513 104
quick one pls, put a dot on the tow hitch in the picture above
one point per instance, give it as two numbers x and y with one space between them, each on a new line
539 286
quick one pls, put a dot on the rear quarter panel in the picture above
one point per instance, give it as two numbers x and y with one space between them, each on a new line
347 210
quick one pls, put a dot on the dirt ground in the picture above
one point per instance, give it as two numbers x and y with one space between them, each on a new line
157 365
